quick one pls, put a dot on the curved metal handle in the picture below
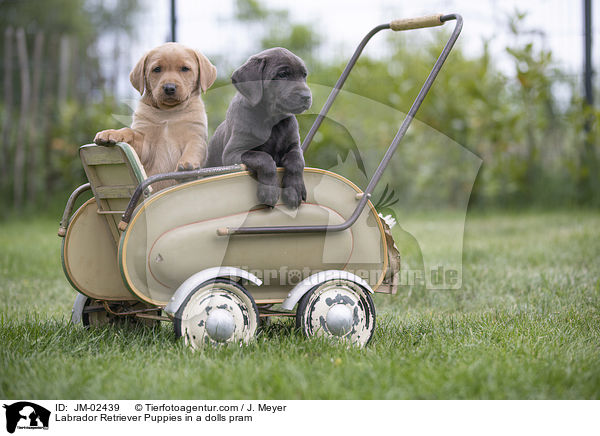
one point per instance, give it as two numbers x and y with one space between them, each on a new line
64 222
416 23
390 151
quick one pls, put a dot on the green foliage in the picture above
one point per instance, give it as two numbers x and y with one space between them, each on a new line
531 143
73 99
252 10
530 135
298 38
538 146
69 16
278 30
76 125
82 18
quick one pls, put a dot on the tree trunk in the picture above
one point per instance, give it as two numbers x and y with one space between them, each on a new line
7 110
20 150
34 126
49 115
63 68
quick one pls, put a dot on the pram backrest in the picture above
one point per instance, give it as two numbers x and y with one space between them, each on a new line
113 172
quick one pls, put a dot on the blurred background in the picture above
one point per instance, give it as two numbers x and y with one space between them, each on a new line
516 92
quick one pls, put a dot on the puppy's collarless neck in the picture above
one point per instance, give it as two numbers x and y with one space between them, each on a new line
185 105
273 120
155 114
267 113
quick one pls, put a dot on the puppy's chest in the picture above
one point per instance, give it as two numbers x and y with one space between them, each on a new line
163 147
169 134
281 140
166 135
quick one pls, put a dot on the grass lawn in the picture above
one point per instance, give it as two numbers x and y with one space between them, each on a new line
525 325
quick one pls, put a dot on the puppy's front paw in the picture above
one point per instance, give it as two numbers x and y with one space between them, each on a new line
268 194
186 165
103 138
294 194
111 137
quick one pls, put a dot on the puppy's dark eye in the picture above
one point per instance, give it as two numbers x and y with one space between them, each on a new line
156 70
283 74
304 74
185 69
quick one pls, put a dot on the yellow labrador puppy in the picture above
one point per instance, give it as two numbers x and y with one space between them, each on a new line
169 129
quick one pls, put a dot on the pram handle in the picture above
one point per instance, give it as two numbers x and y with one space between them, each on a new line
393 146
417 23
64 222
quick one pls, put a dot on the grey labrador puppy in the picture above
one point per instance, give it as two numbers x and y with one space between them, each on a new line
260 129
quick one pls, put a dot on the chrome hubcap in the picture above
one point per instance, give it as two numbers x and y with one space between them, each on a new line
220 325
339 319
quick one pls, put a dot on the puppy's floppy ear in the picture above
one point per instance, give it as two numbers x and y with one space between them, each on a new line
207 72
137 75
248 79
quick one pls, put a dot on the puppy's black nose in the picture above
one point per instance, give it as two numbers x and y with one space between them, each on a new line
305 96
169 88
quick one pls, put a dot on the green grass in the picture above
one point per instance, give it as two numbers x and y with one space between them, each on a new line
526 324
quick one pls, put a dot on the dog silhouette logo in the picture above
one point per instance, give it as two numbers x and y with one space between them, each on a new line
26 415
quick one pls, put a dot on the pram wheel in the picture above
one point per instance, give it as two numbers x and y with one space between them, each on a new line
218 311
93 313
339 309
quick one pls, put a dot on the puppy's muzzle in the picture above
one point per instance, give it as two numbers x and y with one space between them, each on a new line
304 100
169 89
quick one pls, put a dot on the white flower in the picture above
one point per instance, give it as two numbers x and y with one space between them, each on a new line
389 220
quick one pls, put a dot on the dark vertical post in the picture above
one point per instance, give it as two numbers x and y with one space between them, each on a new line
589 178
173 22
589 92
